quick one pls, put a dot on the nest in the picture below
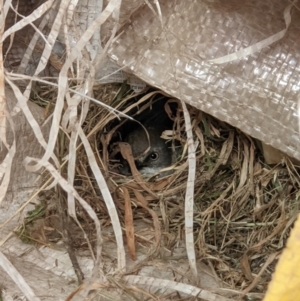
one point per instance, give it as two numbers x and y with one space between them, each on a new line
243 208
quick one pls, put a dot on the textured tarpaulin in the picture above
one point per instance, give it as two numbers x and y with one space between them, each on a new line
256 93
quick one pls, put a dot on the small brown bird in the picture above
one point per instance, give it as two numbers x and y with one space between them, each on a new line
159 153
151 152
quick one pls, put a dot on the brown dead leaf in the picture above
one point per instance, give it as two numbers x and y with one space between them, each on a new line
257 278
245 266
129 224
143 202
245 165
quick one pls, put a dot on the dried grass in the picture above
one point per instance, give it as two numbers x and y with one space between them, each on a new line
243 210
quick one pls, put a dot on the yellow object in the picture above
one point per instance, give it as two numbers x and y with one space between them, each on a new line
285 285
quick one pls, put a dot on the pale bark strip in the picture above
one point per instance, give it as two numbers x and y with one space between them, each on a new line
71 171
17 278
189 196
2 88
188 289
6 164
114 218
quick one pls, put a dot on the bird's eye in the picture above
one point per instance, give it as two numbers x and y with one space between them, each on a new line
154 156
